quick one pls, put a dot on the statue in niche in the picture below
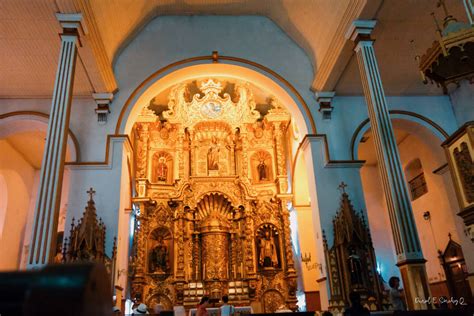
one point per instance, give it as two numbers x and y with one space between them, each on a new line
355 268
262 170
213 155
161 169
268 252
466 170
159 257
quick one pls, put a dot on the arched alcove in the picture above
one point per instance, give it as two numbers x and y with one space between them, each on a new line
434 209
246 124
22 140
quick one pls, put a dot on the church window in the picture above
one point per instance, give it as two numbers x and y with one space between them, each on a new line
416 179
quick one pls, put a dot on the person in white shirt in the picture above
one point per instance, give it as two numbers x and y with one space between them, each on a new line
396 298
226 309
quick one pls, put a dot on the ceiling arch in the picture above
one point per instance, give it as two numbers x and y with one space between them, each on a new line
311 24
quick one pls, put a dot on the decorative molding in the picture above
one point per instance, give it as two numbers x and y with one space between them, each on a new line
92 53
338 55
360 29
210 58
72 21
441 170
103 101
324 98
108 160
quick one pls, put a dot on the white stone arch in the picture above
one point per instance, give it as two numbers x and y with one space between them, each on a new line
421 120
18 122
26 172
418 139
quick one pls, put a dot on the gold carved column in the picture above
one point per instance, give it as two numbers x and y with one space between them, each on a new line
143 134
249 241
280 157
180 150
140 244
290 265
245 158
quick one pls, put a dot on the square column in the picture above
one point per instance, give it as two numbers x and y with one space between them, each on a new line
43 240
407 244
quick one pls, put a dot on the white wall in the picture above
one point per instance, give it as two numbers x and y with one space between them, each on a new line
439 201
19 177
462 99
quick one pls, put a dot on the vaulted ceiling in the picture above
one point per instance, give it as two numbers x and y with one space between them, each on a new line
29 42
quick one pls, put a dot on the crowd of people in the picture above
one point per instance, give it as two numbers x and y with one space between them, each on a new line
226 309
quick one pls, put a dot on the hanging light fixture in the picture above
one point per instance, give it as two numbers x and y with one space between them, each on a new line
451 57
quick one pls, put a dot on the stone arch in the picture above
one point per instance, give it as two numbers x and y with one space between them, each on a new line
203 66
364 126
26 121
420 142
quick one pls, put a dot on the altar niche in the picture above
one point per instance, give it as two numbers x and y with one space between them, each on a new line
212 185
268 248
160 251
261 165
162 167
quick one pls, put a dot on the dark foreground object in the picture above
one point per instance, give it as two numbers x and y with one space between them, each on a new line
56 290
287 314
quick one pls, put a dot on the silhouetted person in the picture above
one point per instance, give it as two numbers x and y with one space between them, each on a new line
356 308
395 297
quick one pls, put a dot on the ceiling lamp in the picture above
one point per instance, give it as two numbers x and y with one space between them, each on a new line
451 57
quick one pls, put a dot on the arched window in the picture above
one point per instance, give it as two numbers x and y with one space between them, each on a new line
416 179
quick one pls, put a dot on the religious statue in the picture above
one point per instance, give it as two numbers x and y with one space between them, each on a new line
466 170
355 268
158 261
262 170
161 169
268 254
213 155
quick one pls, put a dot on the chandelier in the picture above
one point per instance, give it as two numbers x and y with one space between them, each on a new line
451 57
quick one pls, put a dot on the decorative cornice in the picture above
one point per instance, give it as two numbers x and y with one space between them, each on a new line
72 21
107 163
93 54
336 58
360 29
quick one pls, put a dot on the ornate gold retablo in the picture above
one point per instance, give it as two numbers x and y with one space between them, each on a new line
211 171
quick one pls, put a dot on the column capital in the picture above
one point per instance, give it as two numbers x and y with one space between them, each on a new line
72 22
360 30
103 101
324 98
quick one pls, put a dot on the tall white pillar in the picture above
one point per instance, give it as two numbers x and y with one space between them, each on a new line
43 240
407 244
469 6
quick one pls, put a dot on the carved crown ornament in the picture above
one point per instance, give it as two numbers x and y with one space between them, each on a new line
210 103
